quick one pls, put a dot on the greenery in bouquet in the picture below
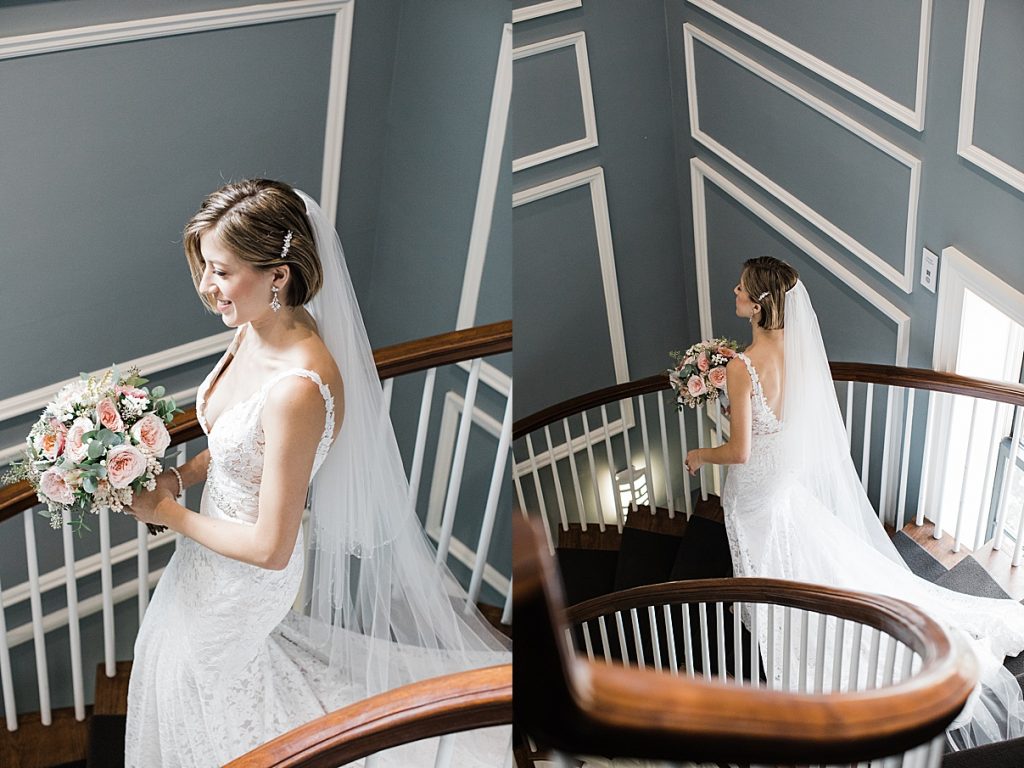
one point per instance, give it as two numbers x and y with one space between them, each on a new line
95 445
699 374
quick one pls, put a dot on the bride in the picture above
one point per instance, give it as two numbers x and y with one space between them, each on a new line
795 507
294 406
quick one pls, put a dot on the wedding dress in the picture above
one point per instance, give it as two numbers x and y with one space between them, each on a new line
223 664
796 510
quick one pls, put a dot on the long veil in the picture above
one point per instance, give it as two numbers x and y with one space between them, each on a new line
814 456
379 608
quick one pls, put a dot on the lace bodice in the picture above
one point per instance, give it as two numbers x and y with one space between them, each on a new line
763 419
236 444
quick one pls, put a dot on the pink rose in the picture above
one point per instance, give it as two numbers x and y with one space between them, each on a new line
151 435
55 485
135 392
696 386
717 377
75 448
107 415
50 445
124 464
702 363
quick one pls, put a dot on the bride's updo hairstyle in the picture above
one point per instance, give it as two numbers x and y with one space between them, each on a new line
252 219
769 277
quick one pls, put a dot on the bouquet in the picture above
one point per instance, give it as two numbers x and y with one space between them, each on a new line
95 445
699 374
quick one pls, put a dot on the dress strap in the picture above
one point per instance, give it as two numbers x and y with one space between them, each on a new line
752 371
325 392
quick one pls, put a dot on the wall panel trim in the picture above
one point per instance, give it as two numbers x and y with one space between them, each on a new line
543 9
912 116
903 279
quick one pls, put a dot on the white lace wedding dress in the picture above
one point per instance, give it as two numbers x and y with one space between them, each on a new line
222 664
777 528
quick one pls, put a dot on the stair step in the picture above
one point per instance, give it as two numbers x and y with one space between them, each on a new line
920 561
112 692
587 573
969 578
703 553
106 741
645 557
35 745
1003 754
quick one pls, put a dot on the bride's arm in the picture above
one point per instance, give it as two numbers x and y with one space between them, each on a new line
293 419
192 471
737 449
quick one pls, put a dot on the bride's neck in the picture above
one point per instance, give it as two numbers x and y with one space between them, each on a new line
280 330
764 337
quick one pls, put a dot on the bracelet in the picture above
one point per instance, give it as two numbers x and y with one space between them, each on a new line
181 483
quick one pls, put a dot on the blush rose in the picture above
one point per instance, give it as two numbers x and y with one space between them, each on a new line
717 377
151 435
125 463
696 387
76 448
56 486
107 415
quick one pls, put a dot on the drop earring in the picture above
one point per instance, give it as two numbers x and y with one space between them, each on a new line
274 303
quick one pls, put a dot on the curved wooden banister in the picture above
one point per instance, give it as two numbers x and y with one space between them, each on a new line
396 360
463 701
568 703
917 378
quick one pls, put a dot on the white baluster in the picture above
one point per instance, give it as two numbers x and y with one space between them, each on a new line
575 475
506 613
6 680
855 652
720 637
705 648
929 436
621 630
700 444
670 639
755 656
587 642
491 508
719 469
553 466
883 497
688 639
629 458
389 385
422 426
805 620
42 670
837 656
1004 490
652 500
905 460
107 588
876 640
619 521
769 662
445 750
686 475
787 646
655 643
606 649
865 462
908 664
142 554
819 653
849 414
1019 546
593 472
889 668
667 468
958 536
988 478
451 500
538 488
74 629
635 620
544 519
737 643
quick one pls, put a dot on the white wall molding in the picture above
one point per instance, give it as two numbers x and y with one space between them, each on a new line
903 279
337 98
543 9
490 171
700 171
965 146
912 116
593 178
454 405
166 26
190 352
578 41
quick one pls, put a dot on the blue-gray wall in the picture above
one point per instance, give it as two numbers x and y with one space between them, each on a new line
106 151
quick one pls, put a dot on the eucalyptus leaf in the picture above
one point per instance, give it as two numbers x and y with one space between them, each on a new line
89 483
95 449
157 391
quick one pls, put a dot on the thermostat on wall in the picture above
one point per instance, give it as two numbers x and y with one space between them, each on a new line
929 270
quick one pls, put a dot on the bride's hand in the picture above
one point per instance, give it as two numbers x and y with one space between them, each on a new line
144 506
727 352
693 461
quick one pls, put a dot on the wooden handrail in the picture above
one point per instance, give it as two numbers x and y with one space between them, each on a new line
568 703
396 360
463 701
918 378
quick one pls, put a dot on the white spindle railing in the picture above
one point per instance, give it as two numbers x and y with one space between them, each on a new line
139 547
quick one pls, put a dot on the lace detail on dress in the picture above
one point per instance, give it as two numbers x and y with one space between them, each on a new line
763 418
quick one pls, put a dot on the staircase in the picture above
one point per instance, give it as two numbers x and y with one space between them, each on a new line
654 548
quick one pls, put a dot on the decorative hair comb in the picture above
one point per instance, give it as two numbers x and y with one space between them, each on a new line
287 244
758 298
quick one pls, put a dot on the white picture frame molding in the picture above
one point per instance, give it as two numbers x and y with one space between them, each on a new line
911 116
543 9
593 178
903 279
454 406
965 146
577 41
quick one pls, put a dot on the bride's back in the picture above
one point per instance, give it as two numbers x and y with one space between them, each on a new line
769 362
